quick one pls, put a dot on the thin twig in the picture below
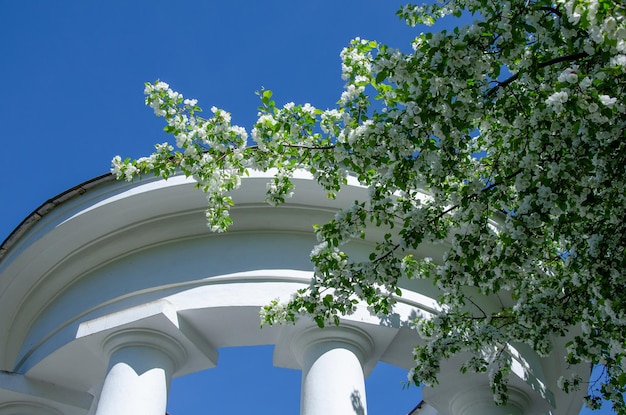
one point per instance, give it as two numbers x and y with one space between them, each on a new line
513 78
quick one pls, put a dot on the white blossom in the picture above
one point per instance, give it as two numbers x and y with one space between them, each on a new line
585 83
569 75
607 100
557 99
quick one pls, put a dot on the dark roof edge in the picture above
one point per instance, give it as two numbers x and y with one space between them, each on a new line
32 219
415 410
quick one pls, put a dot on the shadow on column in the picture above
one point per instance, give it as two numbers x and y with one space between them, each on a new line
357 403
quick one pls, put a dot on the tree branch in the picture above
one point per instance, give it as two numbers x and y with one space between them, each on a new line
552 10
328 147
513 78
450 209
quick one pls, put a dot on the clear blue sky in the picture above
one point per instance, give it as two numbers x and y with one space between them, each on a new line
73 75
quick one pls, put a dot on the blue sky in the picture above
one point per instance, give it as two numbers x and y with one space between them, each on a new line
73 75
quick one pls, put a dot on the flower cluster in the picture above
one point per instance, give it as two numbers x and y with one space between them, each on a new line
209 150
502 141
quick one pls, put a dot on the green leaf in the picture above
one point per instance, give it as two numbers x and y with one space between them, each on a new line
327 300
319 320
530 28
381 76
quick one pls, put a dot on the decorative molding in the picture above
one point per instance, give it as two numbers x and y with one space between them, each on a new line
139 337
357 340
479 400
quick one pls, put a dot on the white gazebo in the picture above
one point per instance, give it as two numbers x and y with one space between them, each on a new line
111 289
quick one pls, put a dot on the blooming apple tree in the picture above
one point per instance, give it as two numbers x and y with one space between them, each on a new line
513 125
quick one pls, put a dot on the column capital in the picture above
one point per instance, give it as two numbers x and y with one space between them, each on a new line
367 343
158 324
146 338
355 339
479 401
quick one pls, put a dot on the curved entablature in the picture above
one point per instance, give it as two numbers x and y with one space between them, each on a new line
118 222
134 262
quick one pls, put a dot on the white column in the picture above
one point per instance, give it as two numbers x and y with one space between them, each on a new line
141 365
332 370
